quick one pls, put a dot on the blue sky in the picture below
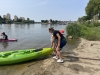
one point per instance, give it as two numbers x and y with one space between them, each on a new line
38 10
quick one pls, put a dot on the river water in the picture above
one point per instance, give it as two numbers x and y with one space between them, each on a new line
29 36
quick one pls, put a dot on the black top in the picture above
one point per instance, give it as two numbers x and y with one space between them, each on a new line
55 34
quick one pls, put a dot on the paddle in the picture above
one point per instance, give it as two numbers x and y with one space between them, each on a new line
36 50
39 49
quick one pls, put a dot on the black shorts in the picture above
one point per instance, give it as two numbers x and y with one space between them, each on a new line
63 43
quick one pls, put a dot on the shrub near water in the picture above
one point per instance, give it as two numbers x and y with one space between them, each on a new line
73 30
89 32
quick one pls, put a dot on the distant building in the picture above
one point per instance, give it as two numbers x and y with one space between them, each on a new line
8 16
22 18
4 16
15 18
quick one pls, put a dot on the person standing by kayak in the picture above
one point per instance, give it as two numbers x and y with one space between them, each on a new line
61 42
55 42
5 37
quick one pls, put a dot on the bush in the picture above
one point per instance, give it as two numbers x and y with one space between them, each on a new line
96 24
89 32
73 30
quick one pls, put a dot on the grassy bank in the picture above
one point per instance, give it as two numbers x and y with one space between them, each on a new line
87 31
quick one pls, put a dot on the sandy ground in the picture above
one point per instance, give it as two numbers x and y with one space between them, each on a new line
83 60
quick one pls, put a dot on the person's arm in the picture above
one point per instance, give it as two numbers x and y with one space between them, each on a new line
59 39
3 37
52 41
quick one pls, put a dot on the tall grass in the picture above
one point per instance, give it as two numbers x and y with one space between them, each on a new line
74 30
87 31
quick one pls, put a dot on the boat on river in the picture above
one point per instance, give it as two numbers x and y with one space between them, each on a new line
18 56
9 40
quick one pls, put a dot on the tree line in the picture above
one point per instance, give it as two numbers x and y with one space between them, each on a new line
92 10
50 21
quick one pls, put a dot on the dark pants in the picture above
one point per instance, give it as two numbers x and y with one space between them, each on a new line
63 43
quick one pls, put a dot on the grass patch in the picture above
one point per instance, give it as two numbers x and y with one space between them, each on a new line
89 32
92 34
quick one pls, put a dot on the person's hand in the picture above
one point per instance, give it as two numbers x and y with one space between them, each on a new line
58 47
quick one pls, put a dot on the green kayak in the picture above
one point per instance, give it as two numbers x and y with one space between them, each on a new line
18 56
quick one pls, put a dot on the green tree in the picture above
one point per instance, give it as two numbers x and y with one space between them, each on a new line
19 20
0 17
42 21
51 20
84 18
93 8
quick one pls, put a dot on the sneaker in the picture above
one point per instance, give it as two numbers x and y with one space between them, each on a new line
60 60
55 57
